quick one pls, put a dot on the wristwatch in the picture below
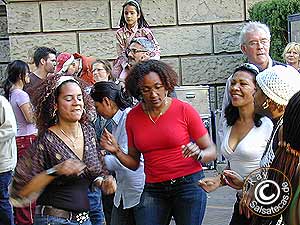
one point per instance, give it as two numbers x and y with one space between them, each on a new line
52 172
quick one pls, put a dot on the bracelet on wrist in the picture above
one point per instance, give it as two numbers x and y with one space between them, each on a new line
223 180
52 172
200 156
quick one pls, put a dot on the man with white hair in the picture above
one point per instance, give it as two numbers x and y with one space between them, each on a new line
255 39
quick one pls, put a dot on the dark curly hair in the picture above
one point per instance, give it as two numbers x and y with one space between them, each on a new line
167 75
232 112
113 92
45 98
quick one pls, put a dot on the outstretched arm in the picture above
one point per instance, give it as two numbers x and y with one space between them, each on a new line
130 160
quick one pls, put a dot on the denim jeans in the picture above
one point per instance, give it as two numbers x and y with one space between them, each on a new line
53 220
6 213
185 201
96 209
122 216
237 218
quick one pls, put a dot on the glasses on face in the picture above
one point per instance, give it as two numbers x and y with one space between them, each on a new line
134 50
156 89
248 67
254 44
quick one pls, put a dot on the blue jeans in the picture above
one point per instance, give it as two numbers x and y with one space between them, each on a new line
185 201
53 220
96 209
122 216
6 213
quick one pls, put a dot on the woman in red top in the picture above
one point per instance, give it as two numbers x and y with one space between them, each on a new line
173 140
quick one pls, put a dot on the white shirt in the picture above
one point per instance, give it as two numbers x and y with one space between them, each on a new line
130 184
247 155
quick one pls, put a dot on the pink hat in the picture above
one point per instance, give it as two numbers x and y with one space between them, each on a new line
64 60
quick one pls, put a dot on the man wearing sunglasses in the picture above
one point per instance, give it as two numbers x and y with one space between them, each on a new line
255 40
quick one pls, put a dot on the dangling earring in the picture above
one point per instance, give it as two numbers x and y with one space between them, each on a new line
54 113
265 105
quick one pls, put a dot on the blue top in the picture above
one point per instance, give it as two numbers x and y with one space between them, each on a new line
130 184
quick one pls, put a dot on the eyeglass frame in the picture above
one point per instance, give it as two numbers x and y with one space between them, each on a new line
156 89
265 42
134 50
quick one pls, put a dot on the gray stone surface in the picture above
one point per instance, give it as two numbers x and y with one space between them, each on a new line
23 17
98 44
226 37
75 15
156 12
208 69
19 45
184 40
174 63
4 51
206 11
249 4
3 27
2 74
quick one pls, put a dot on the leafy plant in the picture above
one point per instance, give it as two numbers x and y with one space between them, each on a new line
275 14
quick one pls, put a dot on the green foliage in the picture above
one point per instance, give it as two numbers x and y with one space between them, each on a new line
274 13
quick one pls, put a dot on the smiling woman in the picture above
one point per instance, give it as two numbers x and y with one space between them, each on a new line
63 162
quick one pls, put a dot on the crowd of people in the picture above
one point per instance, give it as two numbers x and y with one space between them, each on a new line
84 141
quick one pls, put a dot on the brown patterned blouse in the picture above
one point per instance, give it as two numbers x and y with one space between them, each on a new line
69 193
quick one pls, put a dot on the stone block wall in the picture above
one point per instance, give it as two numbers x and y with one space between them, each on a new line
4 43
199 38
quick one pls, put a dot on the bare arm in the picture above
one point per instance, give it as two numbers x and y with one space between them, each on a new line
27 112
204 149
130 160
40 181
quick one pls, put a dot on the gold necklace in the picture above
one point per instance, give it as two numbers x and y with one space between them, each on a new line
160 113
70 139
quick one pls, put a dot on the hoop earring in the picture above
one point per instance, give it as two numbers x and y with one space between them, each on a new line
265 105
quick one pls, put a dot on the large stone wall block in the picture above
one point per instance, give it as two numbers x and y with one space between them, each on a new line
226 37
23 17
184 40
3 27
174 63
75 15
98 44
156 12
4 52
208 69
19 45
210 11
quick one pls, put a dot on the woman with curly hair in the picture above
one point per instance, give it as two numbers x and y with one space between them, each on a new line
63 162
173 140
